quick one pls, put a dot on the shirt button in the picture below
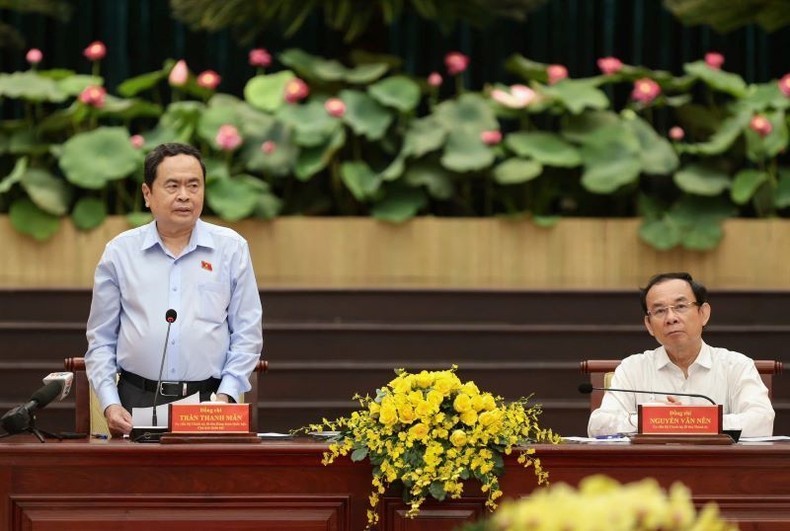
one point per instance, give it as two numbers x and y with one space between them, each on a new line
175 289
172 341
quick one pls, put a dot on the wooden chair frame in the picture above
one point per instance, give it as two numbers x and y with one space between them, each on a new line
598 369
82 402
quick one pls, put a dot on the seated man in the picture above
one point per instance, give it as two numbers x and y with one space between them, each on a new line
676 310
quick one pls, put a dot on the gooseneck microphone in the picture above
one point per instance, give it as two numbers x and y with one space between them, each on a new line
587 388
170 317
22 418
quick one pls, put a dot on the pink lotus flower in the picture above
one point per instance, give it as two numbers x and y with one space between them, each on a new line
94 95
260 57
179 74
714 60
296 90
34 56
435 79
137 141
645 90
556 73
761 125
268 147
610 65
228 137
491 138
456 63
209 79
335 107
518 97
784 85
95 51
677 133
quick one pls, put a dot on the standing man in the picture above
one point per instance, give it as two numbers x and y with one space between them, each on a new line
676 310
178 262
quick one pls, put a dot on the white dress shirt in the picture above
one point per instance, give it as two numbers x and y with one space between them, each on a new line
211 286
728 377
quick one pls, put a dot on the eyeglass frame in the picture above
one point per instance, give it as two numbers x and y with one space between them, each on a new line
674 308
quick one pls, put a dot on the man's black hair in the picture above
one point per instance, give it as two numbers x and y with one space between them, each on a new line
700 291
162 151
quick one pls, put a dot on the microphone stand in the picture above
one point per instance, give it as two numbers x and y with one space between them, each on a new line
161 368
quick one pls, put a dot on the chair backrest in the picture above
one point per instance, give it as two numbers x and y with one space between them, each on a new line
88 416
600 375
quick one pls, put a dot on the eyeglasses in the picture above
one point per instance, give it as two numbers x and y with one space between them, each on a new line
679 308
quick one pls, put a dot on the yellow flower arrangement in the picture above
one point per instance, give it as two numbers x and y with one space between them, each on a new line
603 504
430 432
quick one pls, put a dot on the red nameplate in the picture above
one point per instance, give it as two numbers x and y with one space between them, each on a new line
210 418
661 419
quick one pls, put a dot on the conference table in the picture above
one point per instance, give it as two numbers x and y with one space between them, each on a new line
93 484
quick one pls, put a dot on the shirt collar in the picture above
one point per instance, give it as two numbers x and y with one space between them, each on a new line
703 358
201 237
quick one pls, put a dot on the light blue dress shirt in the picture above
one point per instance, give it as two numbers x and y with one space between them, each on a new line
211 286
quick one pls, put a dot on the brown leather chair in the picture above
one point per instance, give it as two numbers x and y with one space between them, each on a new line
601 371
86 407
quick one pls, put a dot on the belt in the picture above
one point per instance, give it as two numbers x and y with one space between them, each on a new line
170 388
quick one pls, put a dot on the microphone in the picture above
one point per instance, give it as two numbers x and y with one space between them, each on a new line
65 378
170 317
587 388
22 418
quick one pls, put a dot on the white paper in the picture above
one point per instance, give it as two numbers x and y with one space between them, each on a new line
142 417
273 435
607 439
771 438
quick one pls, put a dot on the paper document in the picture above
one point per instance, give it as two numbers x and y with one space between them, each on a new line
771 438
142 417
601 439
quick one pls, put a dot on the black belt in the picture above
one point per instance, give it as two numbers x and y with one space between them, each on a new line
171 388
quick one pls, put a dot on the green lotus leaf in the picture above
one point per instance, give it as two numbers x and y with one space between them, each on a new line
267 92
436 179
469 111
138 219
135 85
89 213
399 92
28 219
75 84
702 180
29 85
729 130
762 97
516 171
359 179
129 109
717 79
279 162
576 95
464 151
423 136
663 234
268 206
90 160
656 153
311 123
580 128
547 148
214 117
611 160
546 222
20 167
235 198
49 193
317 68
399 204
182 119
365 115
394 169
366 74
314 159
783 188
760 148
745 185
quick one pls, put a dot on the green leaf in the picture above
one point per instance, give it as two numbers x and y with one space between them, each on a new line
436 490
311 123
547 148
267 92
583 127
359 179
74 85
702 180
135 85
359 454
28 219
746 184
365 115
91 159
399 92
399 204
761 98
759 148
316 68
515 171
423 136
233 199
138 219
20 167
663 234
269 206
29 85
281 161
436 179
469 111
314 159
48 192
717 79
783 188
89 213
656 153
723 138
611 160
464 151
577 95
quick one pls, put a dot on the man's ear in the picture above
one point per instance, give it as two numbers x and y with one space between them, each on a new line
649 326
705 309
146 193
